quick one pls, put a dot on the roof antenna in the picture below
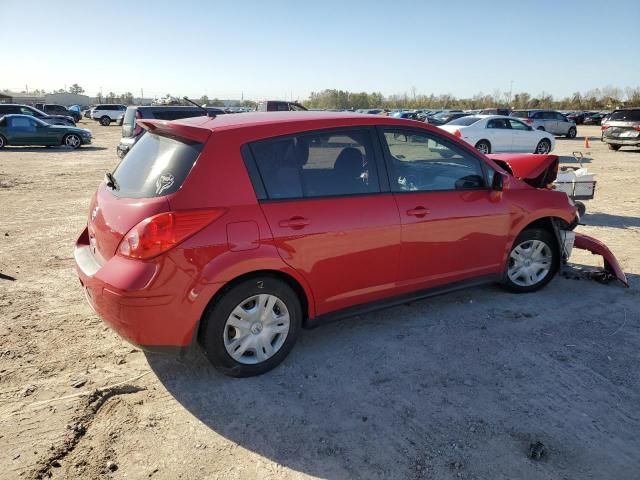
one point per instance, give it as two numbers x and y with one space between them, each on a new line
207 112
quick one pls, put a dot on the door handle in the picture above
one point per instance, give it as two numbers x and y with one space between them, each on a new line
418 212
294 222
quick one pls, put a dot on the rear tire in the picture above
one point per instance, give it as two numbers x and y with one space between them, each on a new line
3 141
483 147
243 318
544 147
533 261
572 132
614 147
105 121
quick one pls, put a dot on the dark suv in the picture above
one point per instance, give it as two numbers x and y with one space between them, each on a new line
131 132
55 109
279 106
549 121
12 108
622 128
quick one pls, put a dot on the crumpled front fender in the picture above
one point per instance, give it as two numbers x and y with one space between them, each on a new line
611 265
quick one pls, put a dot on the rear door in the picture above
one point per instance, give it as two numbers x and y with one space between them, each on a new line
331 214
500 135
562 124
453 226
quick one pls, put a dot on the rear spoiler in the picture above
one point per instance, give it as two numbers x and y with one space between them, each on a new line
175 129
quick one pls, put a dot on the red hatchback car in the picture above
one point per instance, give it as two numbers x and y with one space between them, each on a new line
237 231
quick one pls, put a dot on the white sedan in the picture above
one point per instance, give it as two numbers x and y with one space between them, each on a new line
497 133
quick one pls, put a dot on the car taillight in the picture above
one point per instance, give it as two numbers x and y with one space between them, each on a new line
636 128
158 234
457 134
604 127
529 121
137 130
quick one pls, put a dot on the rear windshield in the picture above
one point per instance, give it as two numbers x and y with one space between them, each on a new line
520 114
625 116
464 121
156 166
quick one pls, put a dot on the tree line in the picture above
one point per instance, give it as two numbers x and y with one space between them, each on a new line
596 99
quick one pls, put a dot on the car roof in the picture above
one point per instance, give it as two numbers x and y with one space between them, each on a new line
295 120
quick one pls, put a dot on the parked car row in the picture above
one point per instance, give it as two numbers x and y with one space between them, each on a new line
17 109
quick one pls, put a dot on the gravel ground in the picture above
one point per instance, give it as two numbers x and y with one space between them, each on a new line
458 386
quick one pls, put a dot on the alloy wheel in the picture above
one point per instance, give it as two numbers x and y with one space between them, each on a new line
529 263
543 147
72 141
256 329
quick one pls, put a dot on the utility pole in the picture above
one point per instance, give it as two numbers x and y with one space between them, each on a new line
510 92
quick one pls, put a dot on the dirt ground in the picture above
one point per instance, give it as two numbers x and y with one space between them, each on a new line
457 386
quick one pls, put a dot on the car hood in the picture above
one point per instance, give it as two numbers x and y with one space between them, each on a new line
536 170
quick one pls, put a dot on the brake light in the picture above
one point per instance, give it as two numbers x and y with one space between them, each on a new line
160 233
604 127
457 134
137 129
529 121
636 128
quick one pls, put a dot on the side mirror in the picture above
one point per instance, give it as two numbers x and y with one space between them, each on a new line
498 182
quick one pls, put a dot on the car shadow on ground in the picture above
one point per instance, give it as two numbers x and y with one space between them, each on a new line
571 159
607 220
410 391
56 149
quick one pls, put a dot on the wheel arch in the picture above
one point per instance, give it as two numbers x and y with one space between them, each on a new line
306 303
487 141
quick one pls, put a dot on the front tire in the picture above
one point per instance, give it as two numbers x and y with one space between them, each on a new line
572 132
543 147
105 121
483 147
533 261
252 327
72 140
615 148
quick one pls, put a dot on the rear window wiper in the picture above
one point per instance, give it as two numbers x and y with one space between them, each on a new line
111 182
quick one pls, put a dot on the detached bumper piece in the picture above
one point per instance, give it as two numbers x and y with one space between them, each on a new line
611 270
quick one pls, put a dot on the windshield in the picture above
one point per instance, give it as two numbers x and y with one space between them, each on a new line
464 121
625 116
156 166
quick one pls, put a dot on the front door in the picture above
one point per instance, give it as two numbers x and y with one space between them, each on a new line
523 139
330 216
453 226
499 133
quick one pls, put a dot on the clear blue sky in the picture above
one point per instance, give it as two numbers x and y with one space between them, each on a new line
281 48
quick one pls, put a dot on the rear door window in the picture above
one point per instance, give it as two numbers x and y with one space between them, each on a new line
323 164
520 114
156 166
625 116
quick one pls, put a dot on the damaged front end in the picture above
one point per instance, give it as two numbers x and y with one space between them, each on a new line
540 171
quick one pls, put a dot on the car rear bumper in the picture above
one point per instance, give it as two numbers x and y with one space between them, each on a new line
124 294
622 141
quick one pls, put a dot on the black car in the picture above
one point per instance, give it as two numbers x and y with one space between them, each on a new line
279 106
622 128
131 132
594 119
55 109
17 109
495 111
443 118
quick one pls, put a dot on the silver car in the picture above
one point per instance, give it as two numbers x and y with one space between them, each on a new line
622 128
548 120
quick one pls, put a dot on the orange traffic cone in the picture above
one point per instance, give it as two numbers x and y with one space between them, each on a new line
586 142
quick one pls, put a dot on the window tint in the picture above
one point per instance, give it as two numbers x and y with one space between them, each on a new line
27 111
520 114
625 116
3 122
23 124
317 164
517 125
424 162
155 166
501 123
560 117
